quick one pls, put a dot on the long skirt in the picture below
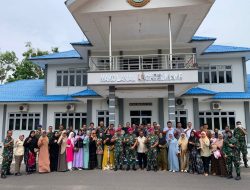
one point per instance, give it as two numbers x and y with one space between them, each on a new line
108 158
78 159
183 160
30 161
218 166
162 159
195 162
62 164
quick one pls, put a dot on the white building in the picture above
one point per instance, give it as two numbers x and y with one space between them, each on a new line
141 64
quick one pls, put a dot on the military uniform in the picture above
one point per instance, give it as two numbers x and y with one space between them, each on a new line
118 151
130 153
232 155
240 136
152 152
7 156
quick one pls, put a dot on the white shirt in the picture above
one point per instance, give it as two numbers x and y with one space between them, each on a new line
188 131
141 148
19 148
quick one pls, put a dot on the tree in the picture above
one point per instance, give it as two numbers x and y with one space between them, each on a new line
26 69
8 61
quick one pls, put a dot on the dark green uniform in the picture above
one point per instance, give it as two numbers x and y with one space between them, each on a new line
152 152
130 153
7 156
232 155
118 151
241 138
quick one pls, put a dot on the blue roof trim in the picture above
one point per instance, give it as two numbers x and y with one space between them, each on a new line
232 95
201 38
86 93
60 55
199 91
225 49
29 91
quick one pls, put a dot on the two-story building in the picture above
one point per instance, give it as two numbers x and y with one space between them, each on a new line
140 64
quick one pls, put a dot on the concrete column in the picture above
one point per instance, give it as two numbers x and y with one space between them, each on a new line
89 111
45 115
171 104
161 112
247 121
4 121
46 78
112 105
245 74
196 123
121 110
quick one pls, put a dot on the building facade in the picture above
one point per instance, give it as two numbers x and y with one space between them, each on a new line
140 64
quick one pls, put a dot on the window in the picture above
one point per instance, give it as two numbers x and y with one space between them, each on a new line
103 115
216 74
140 116
181 116
76 120
71 77
218 119
24 121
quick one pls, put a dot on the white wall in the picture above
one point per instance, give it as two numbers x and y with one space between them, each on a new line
13 108
61 108
1 122
237 75
52 88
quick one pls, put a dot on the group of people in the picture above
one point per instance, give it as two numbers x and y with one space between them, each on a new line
148 146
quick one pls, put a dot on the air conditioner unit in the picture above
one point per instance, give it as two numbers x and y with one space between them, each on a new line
70 107
216 106
23 108
180 102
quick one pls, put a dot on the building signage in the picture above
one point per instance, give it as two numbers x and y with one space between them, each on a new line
146 77
138 3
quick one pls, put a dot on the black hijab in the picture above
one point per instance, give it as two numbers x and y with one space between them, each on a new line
32 144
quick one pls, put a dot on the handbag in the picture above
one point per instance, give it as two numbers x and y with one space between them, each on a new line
31 159
76 149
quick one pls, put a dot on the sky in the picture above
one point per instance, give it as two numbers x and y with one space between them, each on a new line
48 23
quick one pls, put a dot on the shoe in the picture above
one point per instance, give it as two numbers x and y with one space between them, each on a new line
206 174
238 178
115 169
148 169
18 174
128 168
170 170
246 165
9 173
182 170
173 171
185 171
121 168
3 176
155 169
229 176
134 168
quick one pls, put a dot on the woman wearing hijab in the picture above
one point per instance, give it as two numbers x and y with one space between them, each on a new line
30 146
99 150
183 144
195 162
92 150
54 151
205 152
173 151
19 152
70 150
62 142
86 151
43 159
108 155
78 151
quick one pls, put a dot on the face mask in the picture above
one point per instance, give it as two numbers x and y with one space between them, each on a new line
239 125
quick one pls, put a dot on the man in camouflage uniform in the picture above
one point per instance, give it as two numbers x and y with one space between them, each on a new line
7 154
152 143
130 144
231 153
240 134
118 151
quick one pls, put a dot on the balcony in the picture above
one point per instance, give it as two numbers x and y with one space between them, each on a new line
143 62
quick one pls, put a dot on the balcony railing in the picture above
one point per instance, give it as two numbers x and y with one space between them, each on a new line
143 62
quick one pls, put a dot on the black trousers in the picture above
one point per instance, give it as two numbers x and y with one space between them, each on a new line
142 158
206 162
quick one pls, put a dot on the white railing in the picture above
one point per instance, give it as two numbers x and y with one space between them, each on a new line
143 62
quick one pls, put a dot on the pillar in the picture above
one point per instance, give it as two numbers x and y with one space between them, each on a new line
196 123
4 121
89 111
121 110
171 104
161 112
247 121
45 115
112 105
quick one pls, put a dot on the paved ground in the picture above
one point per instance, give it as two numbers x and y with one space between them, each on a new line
123 180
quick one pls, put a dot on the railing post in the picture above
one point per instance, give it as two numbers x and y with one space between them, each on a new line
170 41
140 62
110 42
